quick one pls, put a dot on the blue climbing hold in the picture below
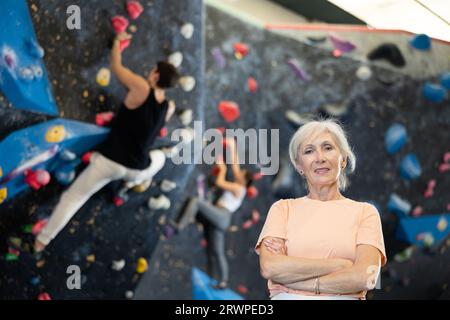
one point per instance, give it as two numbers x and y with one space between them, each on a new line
421 42
35 49
410 167
445 80
398 206
424 231
66 174
67 155
434 92
395 138
202 288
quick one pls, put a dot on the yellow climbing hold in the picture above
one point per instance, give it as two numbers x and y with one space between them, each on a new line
103 77
3 194
90 258
142 265
55 134
442 224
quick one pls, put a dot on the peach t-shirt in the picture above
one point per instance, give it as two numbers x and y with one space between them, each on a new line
323 229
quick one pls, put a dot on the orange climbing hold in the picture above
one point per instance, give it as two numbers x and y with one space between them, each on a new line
240 50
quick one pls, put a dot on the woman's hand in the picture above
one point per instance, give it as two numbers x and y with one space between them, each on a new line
123 36
275 245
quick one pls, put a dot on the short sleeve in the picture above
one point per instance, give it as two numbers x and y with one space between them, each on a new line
275 224
370 231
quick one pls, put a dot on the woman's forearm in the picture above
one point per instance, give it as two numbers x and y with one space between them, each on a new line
116 56
287 269
347 281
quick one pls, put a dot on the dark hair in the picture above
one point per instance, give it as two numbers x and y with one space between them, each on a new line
248 178
168 75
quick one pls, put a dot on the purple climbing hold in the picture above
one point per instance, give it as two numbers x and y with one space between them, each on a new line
169 231
342 45
298 70
218 57
9 58
434 92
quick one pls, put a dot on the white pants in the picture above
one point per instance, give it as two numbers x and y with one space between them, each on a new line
292 296
99 173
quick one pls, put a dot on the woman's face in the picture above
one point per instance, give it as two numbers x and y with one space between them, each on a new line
320 159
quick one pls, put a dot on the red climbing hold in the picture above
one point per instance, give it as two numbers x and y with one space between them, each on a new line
120 24
203 243
221 130
44 296
118 201
257 176
37 179
38 226
86 158
252 192
252 85
240 50
163 132
104 118
215 171
229 110
134 9
242 289
125 43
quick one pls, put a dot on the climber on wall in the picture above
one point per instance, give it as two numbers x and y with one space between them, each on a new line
219 215
125 153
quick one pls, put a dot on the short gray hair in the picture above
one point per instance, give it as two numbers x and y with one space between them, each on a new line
334 128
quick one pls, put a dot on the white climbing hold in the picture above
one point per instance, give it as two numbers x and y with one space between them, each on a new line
129 294
26 74
103 77
170 151
37 71
364 73
187 83
176 59
186 116
161 202
187 30
118 265
298 119
167 185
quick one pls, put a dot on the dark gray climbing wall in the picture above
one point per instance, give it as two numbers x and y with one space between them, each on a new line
372 108
100 230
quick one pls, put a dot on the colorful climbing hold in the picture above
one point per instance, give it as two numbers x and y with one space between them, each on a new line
398 205
443 167
218 57
299 72
417 211
118 201
163 132
395 138
38 226
90 258
185 116
421 42
103 77
129 294
229 110
410 167
86 158
125 43
9 57
405 255
104 118
242 289
118 265
120 23
187 30
67 155
44 296
203 243
37 179
134 9
159 203
28 228
187 83
255 216
240 50
176 59
142 265
364 73
434 92
34 49
252 85
55 134
445 80
252 192
341 45
247 224
3 194
442 224
167 185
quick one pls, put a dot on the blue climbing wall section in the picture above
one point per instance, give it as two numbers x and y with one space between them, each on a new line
43 146
23 77
203 288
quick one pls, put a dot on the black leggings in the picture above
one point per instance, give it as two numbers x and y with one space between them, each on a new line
220 219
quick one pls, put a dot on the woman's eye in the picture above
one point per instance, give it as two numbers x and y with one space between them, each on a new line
328 147
307 151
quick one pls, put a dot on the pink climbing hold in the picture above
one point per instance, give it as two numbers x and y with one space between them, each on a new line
37 179
430 188
134 9
255 216
124 44
417 211
247 224
443 167
118 201
252 192
447 157
44 296
257 176
252 85
341 45
104 118
38 226
203 243
229 110
431 184
120 24
448 206
86 158
163 132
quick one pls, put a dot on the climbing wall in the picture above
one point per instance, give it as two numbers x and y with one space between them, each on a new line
310 78
101 233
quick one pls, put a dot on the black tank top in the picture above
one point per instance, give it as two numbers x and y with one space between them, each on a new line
133 132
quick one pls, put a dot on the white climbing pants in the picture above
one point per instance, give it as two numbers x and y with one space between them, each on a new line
98 173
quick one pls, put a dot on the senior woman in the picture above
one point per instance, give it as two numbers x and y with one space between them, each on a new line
322 245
